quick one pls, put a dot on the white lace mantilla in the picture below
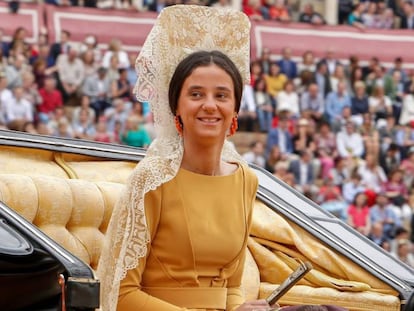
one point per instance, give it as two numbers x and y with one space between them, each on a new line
178 31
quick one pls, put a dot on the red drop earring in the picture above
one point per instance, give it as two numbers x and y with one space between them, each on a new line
178 125
233 127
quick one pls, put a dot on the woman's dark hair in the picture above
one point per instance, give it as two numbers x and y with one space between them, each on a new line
199 59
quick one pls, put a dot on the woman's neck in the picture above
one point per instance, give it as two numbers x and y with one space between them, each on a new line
202 159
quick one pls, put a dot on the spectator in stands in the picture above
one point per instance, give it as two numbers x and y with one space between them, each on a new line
85 104
5 96
71 71
340 123
17 110
326 150
322 79
102 134
131 72
121 87
330 199
356 75
355 18
88 59
18 44
90 43
256 71
352 187
373 176
383 213
407 165
388 133
407 17
248 110
288 101
377 234
59 124
4 46
51 99
407 108
337 76
135 134
404 252
43 54
395 189
380 105
15 70
60 47
331 61
84 128
387 19
63 129
370 18
264 105
344 9
255 10
370 135
281 137
335 103
312 103
303 138
265 60
390 158
287 65
303 172
255 155
341 171
118 113
98 88
115 48
399 66
310 16
358 214
278 11
349 142
30 91
275 156
359 103
308 62
275 82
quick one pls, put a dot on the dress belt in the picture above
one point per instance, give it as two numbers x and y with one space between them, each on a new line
191 297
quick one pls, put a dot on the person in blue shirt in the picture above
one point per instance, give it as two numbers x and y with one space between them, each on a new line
336 102
383 213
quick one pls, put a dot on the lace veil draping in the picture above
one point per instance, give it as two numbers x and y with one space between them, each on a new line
178 31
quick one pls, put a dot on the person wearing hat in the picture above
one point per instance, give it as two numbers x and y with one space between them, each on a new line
169 244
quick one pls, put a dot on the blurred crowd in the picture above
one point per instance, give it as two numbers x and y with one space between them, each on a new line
379 14
341 132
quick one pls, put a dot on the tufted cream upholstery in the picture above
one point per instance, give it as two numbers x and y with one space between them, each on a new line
73 212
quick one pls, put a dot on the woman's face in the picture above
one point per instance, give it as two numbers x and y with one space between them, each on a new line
361 199
206 104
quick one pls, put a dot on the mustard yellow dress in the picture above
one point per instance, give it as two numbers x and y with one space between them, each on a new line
199 227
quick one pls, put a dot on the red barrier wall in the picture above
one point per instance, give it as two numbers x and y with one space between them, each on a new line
133 27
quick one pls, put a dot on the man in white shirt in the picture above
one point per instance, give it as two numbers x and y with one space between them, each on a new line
71 72
18 110
349 143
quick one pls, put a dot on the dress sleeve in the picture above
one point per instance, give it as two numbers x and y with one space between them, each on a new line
131 298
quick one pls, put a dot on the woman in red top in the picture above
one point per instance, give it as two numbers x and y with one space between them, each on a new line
358 214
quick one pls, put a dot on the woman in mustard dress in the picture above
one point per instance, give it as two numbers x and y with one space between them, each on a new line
177 237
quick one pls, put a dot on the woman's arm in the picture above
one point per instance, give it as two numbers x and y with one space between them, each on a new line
131 297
